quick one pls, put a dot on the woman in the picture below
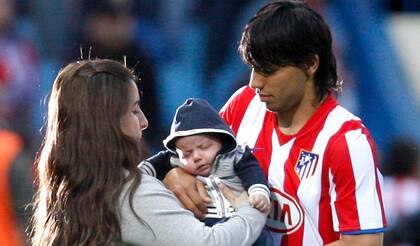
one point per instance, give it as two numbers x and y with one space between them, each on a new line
90 191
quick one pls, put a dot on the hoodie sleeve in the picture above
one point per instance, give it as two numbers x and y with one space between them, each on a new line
158 165
252 176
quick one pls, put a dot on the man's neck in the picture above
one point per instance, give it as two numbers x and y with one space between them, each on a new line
292 121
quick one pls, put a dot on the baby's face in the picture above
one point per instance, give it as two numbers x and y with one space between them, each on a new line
197 153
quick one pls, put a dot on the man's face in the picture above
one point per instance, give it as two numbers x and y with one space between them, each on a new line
197 153
283 90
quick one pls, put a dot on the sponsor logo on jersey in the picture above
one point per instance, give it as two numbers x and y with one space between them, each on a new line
286 215
306 164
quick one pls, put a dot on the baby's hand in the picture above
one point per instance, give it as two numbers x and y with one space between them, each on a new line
260 202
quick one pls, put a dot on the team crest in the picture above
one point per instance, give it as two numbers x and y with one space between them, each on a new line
306 164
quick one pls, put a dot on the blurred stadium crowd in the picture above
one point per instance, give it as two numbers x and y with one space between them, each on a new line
188 48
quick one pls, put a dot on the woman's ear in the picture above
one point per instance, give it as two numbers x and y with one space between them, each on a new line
313 66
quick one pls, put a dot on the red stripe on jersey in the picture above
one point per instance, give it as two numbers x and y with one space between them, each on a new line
378 186
263 148
325 226
238 103
339 161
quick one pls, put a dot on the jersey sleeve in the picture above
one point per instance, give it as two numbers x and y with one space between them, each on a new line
234 109
355 182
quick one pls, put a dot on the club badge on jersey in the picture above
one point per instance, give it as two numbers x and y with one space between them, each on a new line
306 164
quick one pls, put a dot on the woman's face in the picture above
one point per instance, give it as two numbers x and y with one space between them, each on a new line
133 122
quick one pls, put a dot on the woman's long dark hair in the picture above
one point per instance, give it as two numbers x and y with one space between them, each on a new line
85 159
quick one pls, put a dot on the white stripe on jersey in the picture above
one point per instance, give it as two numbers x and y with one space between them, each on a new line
279 156
366 194
333 198
253 118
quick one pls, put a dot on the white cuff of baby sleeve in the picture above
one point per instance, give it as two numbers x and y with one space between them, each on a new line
259 189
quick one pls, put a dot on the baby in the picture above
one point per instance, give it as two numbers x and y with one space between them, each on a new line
202 144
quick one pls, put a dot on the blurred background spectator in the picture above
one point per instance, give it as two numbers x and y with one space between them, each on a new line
188 48
402 180
16 186
402 191
19 65
107 29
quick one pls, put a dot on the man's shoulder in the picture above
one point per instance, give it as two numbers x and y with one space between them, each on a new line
241 97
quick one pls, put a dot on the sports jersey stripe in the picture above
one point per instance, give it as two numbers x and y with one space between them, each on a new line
336 118
333 198
379 185
233 111
253 119
366 197
308 186
379 177
344 183
280 157
353 144
328 219
348 217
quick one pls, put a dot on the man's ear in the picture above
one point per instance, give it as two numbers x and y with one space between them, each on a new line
313 66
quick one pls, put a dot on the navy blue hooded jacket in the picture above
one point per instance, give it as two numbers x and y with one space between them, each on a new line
233 165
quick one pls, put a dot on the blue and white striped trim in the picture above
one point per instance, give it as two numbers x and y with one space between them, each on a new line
147 168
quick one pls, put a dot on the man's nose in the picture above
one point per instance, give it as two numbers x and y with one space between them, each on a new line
256 81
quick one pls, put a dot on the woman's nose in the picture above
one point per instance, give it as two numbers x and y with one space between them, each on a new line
144 123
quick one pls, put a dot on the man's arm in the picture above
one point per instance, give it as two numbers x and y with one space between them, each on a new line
360 239
189 191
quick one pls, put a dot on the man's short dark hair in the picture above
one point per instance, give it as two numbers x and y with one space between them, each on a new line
284 33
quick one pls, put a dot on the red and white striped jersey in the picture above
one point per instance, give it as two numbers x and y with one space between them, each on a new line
324 180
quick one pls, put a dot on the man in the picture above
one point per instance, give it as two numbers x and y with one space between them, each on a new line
319 158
